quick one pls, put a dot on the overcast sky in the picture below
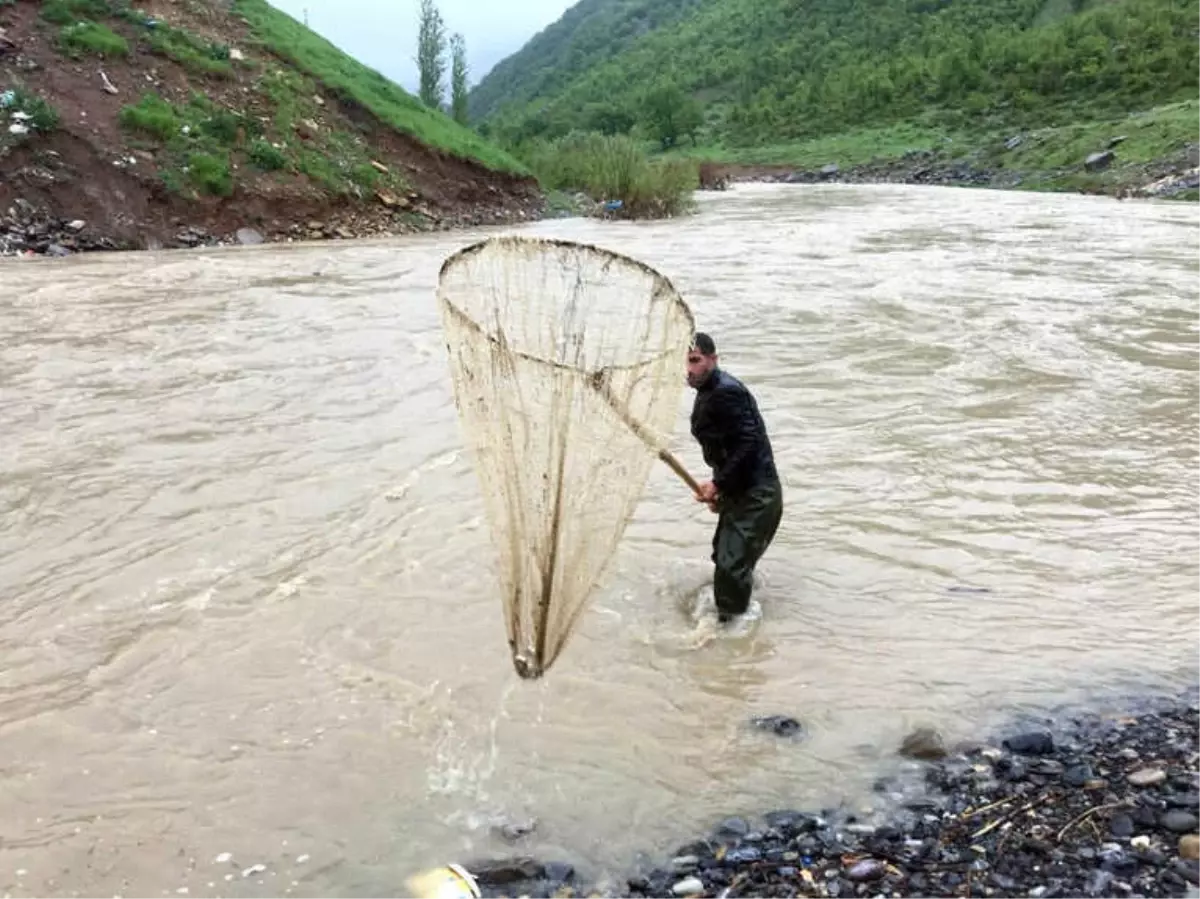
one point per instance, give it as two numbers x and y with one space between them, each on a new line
383 33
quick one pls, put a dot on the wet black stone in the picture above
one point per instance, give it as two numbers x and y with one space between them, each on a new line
1179 821
732 829
1187 800
700 849
1078 775
780 725
497 872
1032 743
743 856
1002 881
1188 870
559 872
789 822
1144 816
1151 856
1121 826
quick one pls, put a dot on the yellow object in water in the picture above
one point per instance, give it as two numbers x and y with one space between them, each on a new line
448 882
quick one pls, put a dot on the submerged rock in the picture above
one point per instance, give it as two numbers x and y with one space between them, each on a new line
780 725
925 744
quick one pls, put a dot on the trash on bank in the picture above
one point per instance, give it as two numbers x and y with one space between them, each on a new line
448 882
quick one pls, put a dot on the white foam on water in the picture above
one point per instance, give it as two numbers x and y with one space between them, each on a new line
461 766
442 460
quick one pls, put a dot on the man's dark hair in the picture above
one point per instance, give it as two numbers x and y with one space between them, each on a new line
704 344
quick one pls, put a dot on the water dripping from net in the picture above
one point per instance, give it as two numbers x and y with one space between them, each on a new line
456 770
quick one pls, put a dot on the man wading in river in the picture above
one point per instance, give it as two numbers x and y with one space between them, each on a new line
745 490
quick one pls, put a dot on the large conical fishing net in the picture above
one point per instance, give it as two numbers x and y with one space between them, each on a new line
567 363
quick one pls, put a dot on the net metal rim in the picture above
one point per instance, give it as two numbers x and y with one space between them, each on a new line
662 284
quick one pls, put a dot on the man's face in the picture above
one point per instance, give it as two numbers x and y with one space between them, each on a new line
699 366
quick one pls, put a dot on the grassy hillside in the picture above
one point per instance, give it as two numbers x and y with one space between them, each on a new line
745 74
345 75
588 34
221 114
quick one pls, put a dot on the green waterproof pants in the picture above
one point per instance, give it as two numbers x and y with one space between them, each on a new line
745 528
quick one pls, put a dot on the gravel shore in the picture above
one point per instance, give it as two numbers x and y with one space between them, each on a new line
1090 805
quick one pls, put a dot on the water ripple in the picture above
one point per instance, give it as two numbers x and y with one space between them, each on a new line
241 548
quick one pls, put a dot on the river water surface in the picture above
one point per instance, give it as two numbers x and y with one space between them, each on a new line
245 601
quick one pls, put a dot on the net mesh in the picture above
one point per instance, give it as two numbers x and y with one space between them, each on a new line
567 363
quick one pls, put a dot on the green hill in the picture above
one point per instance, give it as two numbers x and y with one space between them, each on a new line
742 76
390 103
179 122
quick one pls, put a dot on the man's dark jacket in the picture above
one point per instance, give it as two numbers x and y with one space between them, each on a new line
731 433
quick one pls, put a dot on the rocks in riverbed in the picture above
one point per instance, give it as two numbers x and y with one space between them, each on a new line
1048 815
925 744
27 230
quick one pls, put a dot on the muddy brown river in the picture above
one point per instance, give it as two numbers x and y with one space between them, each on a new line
246 610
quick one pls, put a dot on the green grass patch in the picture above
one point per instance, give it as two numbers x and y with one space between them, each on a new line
266 156
616 168
339 160
92 38
193 53
197 135
67 12
210 173
392 105
153 116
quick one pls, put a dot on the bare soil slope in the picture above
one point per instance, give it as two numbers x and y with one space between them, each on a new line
174 124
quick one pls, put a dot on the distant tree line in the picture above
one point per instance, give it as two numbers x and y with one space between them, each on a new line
432 45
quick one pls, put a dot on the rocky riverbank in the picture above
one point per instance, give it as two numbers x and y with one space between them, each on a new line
27 229
1087 805
1176 176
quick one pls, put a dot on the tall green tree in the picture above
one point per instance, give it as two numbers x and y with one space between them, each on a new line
669 114
458 78
431 58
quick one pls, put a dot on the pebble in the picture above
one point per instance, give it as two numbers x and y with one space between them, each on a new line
1178 821
1189 847
1078 776
1121 826
1036 743
867 869
690 886
1147 777
732 828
